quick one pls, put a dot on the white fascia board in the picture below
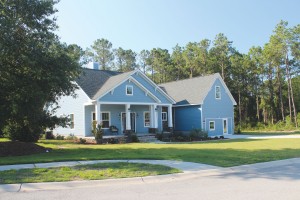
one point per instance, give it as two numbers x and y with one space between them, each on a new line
123 103
187 105
144 89
226 89
218 76
156 86
113 88
137 83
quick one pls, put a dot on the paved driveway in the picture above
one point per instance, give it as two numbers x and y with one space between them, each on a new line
273 180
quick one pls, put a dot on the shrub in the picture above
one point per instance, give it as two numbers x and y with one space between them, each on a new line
59 137
198 134
98 133
159 136
179 136
71 137
82 141
131 137
134 138
111 141
1 134
22 131
49 135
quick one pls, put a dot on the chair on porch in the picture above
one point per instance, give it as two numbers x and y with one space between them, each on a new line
114 129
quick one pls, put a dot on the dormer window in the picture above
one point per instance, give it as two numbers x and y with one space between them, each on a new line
218 92
129 90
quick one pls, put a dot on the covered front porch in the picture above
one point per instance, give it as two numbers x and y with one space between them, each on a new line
119 118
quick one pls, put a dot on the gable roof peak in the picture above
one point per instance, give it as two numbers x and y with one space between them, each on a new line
193 90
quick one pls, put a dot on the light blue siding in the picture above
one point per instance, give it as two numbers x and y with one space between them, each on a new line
119 94
217 110
152 89
187 118
88 119
115 116
75 106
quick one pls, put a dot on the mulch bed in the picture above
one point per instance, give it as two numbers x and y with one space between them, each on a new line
20 149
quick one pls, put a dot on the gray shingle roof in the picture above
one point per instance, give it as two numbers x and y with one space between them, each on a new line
91 80
190 91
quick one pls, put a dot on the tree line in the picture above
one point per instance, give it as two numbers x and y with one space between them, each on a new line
36 69
264 81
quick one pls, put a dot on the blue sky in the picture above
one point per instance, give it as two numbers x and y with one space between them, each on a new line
147 24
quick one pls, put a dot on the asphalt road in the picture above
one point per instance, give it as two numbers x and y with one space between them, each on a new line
276 180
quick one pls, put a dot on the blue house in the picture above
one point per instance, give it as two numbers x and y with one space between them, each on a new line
202 103
132 102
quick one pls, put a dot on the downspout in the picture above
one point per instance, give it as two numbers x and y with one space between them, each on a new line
202 120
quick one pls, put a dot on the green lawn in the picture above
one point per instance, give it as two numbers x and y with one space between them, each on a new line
271 133
84 172
223 153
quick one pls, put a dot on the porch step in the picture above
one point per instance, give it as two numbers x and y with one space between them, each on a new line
148 139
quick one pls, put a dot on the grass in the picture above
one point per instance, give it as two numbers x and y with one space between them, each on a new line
223 153
271 133
84 172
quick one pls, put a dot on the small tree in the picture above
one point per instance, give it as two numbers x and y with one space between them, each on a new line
97 132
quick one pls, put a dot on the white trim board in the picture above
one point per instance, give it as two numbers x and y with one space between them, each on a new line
130 78
155 85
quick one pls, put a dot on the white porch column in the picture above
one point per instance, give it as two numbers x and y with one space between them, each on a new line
151 116
128 119
155 116
170 117
98 112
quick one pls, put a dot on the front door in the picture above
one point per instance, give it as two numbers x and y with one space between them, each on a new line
132 119
225 126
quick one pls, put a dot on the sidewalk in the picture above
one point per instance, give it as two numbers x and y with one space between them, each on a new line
190 171
183 166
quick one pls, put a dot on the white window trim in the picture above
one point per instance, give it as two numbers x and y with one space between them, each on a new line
109 120
166 119
214 125
216 92
145 118
128 86
73 120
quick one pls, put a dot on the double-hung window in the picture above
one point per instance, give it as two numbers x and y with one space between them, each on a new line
211 125
105 116
164 116
218 92
146 119
129 90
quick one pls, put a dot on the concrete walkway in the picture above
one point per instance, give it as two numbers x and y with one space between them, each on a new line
279 171
186 167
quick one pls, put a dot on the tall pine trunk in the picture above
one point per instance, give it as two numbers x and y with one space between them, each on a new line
257 108
290 88
240 110
280 93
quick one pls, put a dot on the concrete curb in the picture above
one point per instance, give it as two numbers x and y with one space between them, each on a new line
189 169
